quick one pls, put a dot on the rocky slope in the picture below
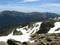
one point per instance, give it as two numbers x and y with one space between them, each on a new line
51 26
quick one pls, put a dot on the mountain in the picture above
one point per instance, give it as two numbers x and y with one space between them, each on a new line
8 18
34 28
47 27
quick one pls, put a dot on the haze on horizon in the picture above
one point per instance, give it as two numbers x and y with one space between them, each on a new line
31 5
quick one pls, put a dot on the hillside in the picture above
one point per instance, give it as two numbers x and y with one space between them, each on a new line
8 18
45 32
46 27
39 33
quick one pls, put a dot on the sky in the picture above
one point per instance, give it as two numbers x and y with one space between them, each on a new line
31 5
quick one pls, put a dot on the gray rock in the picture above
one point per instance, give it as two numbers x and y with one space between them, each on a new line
3 43
13 42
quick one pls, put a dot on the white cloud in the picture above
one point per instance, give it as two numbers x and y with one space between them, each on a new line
30 0
17 8
52 4
48 7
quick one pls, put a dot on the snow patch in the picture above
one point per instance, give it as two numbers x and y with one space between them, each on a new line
52 30
26 33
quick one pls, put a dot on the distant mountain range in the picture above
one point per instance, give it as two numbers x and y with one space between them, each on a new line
14 17
17 28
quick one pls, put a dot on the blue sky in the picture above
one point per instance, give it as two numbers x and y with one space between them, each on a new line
31 5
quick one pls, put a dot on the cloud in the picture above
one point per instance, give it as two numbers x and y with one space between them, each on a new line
50 5
54 4
17 8
30 0
46 7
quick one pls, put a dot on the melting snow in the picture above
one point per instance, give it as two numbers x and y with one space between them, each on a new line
52 30
28 32
25 36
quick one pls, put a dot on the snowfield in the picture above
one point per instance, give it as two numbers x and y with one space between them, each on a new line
26 33
52 30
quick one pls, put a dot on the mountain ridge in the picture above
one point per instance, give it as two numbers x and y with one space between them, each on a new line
14 17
